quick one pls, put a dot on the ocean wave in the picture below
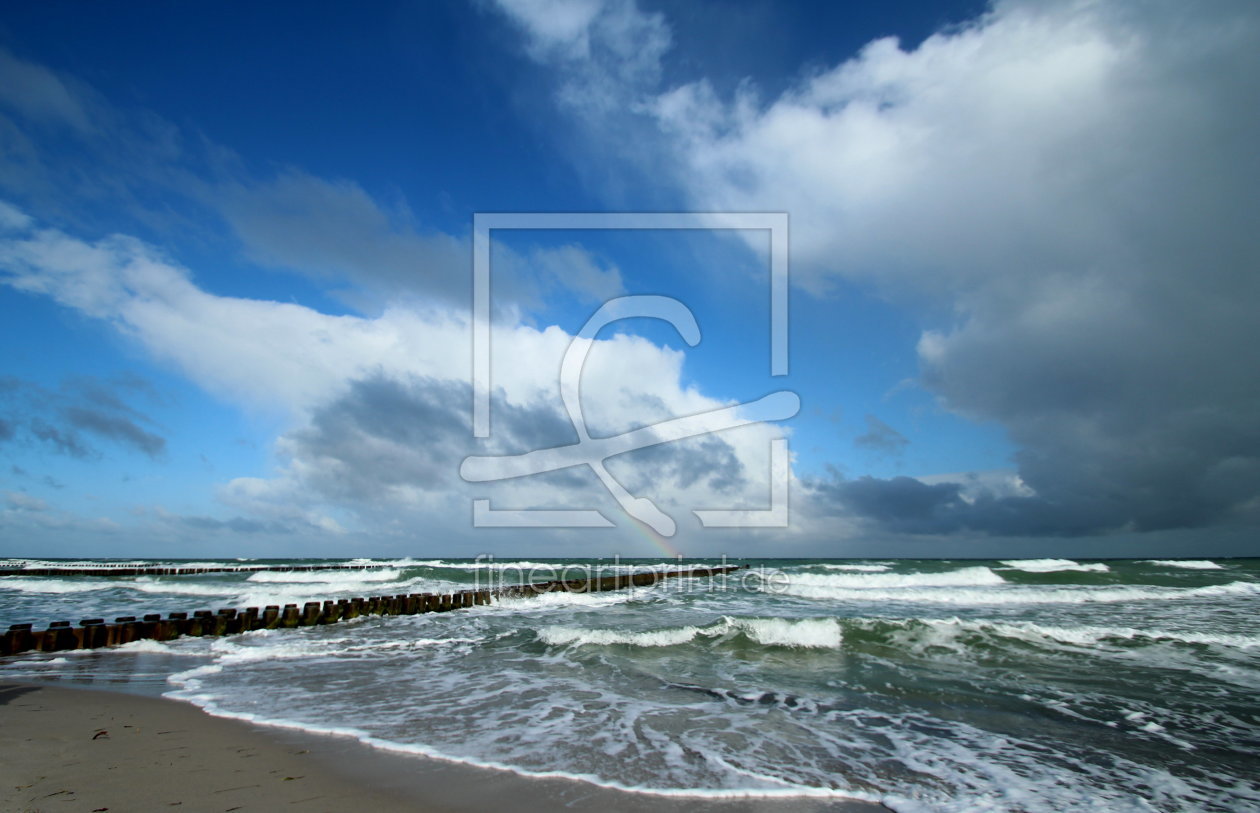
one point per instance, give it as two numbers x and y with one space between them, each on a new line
329 577
942 630
566 599
259 590
272 645
1012 594
269 647
1053 565
78 564
300 593
550 568
858 568
810 633
1187 564
46 585
116 564
243 593
963 577
486 565
1090 636
154 647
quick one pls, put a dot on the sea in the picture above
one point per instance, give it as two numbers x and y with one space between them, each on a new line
927 685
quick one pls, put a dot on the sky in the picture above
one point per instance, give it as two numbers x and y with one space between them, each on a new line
237 278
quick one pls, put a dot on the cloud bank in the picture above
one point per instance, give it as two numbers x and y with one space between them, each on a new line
1062 190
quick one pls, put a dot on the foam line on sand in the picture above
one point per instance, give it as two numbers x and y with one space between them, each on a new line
77 749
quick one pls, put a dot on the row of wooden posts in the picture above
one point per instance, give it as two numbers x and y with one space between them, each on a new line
93 633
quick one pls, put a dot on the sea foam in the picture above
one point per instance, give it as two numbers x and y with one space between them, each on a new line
1013 594
963 577
329 577
811 633
1053 565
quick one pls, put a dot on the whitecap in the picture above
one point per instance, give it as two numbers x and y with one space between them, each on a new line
1187 564
812 633
1053 565
1012 594
963 577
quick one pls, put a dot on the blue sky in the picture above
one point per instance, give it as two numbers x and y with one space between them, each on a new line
236 273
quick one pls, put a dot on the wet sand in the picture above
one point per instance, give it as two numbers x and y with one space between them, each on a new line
73 749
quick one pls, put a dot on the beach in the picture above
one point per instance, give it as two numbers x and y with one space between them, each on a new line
77 749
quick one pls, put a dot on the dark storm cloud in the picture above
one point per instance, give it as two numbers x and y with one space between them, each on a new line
708 459
117 428
385 433
81 406
62 440
881 437
1072 187
909 506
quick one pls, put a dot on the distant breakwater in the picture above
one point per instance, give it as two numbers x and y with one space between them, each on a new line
93 633
110 570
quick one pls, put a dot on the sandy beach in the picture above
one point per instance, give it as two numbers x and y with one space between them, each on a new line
75 749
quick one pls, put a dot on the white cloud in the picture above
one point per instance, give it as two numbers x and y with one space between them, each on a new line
40 94
17 501
13 219
555 25
379 406
573 269
937 166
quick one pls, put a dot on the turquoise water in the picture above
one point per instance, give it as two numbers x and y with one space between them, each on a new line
1034 685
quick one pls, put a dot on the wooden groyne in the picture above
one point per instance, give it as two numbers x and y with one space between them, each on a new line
92 633
176 570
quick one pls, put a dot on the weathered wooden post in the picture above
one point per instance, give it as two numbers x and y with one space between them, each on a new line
146 628
228 622
18 639
125 630
92 633
202 623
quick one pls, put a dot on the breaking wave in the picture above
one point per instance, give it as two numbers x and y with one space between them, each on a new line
964 577
1008 593
1053 565
810 633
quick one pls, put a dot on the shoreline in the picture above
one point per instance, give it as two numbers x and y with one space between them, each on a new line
161 752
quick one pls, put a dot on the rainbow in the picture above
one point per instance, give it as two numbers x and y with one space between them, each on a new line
659 542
